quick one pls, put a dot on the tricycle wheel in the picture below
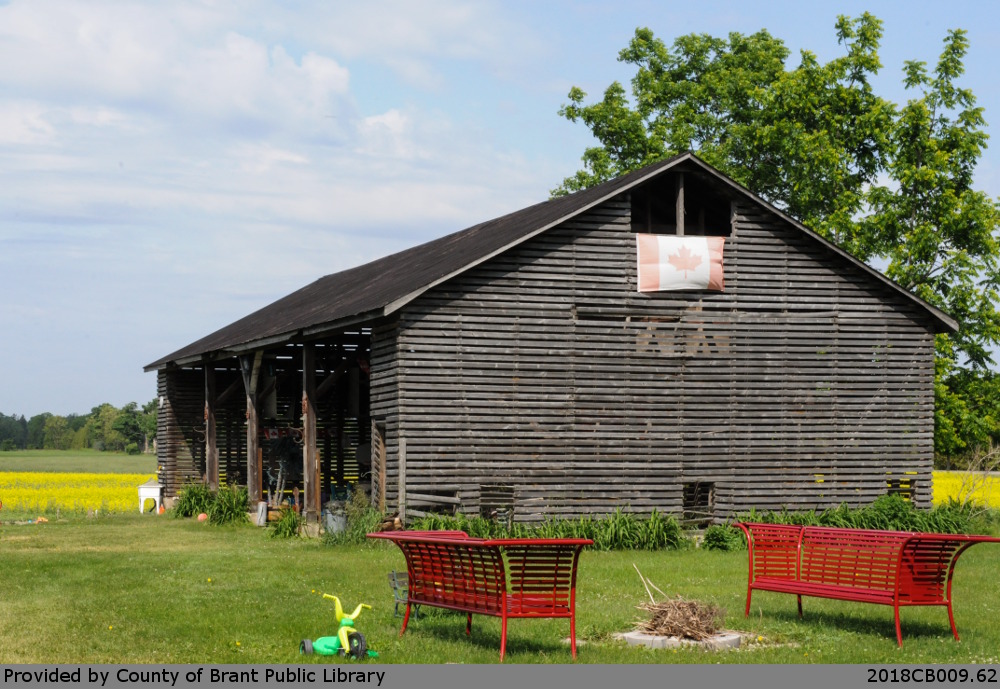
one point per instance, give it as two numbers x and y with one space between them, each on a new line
357 645
306 647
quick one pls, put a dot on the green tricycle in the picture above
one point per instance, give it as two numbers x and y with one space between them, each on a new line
348 641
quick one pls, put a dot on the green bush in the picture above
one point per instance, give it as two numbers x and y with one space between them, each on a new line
192 500
362 519
888 512
287 525
618 531
723 537
230 506
661 532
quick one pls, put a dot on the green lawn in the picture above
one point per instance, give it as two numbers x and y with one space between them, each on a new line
83 461
153 589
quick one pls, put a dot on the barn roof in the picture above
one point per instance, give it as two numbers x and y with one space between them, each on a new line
383 286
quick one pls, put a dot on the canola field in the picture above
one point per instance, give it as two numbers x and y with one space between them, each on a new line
47 493
976 487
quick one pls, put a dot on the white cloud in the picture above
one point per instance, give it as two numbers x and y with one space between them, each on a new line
98 116
262 158
24 124
410 37
163 59
387 135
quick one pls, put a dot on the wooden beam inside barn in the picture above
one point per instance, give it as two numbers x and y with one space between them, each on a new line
231 390
211 449
680 204
250 367
310 467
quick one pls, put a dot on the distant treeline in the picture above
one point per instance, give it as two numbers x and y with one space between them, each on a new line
129 429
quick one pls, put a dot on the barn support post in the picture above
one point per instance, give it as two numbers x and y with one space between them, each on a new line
211 448
401 490
250 367
378 466
679 210
310 467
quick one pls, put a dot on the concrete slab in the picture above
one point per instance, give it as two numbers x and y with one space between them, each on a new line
718 642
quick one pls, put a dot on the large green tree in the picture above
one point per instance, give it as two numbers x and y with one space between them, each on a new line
129 425
101 431
58 434
13 432
35 439
148 423
888 183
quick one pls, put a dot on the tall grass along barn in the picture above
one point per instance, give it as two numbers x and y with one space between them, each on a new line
666 340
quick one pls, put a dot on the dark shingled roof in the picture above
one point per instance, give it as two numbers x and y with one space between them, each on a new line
378 288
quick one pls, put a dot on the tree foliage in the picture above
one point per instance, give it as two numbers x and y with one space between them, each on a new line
808 140
13 432
106 427
889 183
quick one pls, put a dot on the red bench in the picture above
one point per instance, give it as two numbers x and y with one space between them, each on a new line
505 578
894 568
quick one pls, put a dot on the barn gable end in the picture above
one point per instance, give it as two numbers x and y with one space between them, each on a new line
544 372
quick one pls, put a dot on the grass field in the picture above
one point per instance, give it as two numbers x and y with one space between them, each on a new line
153 589
127 588
77 461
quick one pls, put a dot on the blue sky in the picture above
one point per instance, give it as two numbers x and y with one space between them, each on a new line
170 167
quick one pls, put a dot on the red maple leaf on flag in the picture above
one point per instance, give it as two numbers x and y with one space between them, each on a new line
684 261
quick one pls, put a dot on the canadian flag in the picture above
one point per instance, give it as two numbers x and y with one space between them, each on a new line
669 262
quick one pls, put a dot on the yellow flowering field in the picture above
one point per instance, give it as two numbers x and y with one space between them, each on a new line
46 492
977 487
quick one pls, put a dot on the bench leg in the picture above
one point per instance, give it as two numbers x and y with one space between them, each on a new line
572 635
800 604
406 619
951 619
746 613
503 636
899 631
468 624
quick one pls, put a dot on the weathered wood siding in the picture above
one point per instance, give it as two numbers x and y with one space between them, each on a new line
384 408
542 378
181 406
180 430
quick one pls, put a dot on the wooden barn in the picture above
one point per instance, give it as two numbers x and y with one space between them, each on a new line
527 365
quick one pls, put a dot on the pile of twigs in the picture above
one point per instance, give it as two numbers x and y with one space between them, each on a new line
676 617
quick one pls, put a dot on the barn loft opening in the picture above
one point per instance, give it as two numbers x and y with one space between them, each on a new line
657 205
